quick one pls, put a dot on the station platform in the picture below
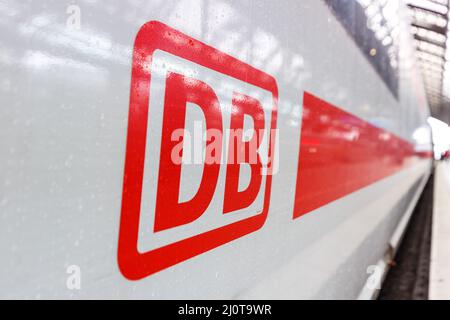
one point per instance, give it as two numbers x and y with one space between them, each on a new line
439 283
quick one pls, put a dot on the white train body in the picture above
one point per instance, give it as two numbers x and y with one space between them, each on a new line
88 197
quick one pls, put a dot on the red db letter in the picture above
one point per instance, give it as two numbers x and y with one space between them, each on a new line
241 152
179 91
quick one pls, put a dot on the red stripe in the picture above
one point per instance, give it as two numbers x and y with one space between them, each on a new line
341 153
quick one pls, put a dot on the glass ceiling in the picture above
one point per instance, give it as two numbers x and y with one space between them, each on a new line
431 31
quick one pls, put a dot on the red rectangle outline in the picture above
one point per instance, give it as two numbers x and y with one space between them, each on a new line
152 36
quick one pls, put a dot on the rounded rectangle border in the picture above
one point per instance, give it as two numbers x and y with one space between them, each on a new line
151 36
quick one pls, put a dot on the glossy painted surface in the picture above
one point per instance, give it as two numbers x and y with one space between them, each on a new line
65 96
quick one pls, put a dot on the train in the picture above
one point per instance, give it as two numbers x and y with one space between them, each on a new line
207 149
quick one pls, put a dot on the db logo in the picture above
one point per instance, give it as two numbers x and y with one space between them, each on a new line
198 164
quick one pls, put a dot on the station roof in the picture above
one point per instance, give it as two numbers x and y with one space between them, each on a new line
430 28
